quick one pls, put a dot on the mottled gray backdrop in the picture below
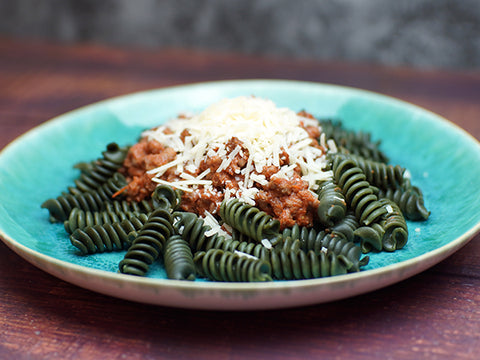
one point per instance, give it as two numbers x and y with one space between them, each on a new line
421 33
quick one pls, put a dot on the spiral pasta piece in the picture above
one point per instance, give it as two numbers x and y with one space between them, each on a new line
288 244
80 219
379 174
239 236
194 230
98 172
359 194
410 200
106 237
346 227
249 220
107 190
370 237
61 207
148 243
335 242
219 265
395 226
352 142
166 197
178 259
332 207
123 206
306 236
257 250
297 265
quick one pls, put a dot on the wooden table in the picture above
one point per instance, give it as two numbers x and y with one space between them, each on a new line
434 315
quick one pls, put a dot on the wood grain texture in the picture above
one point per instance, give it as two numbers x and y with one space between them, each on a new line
434 315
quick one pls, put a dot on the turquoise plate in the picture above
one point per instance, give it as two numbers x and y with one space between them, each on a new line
443 160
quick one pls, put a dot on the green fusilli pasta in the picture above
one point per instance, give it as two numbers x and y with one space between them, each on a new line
249 220
219 265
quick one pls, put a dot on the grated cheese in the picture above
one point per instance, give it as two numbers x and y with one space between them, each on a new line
267 244
215 227
332 146
243 254
264 129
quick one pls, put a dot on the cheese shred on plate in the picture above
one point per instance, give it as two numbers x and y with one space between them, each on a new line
255 145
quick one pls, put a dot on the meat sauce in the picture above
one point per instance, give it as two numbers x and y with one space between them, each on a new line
141 157
288 200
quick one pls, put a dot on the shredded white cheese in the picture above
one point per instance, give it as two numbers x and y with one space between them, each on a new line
264 129
215 227
243 254
266 243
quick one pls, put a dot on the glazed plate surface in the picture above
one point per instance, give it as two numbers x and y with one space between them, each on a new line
444 161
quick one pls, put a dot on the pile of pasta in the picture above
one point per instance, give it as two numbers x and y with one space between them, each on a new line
364 207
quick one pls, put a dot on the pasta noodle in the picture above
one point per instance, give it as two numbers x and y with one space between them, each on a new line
148 244
358 192
332 207
379 174
178 259
91 200
350 142
297 265
80 219
97 172
219 265
249 220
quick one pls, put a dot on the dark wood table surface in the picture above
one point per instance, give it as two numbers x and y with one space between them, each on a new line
434 315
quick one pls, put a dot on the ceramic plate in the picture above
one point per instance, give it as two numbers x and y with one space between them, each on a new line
443 160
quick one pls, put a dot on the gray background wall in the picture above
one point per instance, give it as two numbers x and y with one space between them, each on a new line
419 33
